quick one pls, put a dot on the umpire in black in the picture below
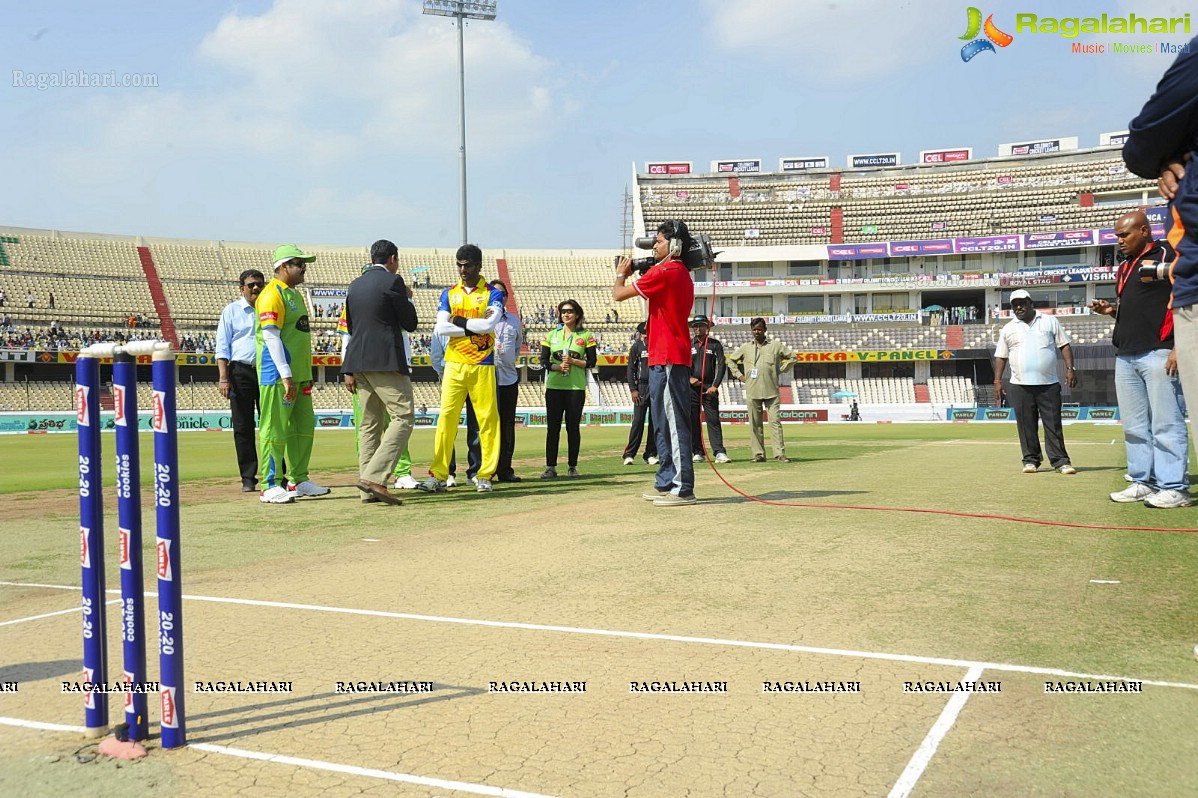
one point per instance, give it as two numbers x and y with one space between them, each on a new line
708 369
638 386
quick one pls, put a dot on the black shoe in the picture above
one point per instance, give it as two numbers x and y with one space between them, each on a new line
512 478
249 486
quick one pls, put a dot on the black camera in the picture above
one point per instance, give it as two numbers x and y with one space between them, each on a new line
695 252
1152 271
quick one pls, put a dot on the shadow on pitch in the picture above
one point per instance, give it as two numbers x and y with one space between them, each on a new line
785 496
307 710
36 671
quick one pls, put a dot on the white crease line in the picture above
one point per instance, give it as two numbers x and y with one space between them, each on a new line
711 641
927 749
37 724
456 786
352 770
51 614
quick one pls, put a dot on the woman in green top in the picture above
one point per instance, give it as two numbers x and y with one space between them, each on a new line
566 354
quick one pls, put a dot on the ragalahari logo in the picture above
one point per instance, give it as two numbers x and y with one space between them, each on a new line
993 35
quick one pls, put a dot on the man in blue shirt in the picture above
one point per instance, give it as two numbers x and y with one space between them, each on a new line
238 378
509 336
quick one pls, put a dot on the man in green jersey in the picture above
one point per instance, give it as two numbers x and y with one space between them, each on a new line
284 361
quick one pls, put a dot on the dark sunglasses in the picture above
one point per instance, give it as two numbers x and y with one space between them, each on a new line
258 286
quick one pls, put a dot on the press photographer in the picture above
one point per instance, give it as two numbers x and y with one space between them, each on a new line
667 286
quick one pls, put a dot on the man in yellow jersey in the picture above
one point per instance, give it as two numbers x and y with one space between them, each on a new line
284 361
468 314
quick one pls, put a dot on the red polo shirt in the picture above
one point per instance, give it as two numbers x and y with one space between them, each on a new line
671 294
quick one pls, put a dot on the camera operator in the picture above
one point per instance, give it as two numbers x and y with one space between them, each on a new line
1151 406
670 292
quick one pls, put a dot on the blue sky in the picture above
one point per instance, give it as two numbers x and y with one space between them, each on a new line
336 123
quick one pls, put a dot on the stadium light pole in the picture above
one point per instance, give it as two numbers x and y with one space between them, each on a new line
462 10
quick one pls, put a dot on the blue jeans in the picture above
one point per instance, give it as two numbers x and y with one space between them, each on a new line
670 398
1154 425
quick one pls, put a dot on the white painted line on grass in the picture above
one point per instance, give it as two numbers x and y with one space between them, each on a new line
710 641
927 749
51 614
353 770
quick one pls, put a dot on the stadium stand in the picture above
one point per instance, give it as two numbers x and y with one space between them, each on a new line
101 286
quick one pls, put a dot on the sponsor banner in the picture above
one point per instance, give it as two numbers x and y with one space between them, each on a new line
1106 236
946 156
1058 311
668 167
1115 139
1068 413
330 292
1073 274
964 246
17 356
857 251
941 246
785 415
874 159
1068 238
737 167
876 357
1047 218
802 164
1038 147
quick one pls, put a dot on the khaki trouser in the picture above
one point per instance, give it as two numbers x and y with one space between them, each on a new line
384 396
772 406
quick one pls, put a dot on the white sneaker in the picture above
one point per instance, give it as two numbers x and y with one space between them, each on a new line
276 495
472 480
653 460
309 488
628 461
1168 499
406 482
722 458
482 485
1135 492
452 482
432 485
1030 468
1067 470
698 458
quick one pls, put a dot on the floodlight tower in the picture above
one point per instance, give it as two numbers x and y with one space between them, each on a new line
462 10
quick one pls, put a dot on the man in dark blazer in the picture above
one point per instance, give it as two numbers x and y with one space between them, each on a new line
377 310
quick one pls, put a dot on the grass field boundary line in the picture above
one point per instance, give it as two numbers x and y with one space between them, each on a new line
354 770
50 614
927 749
282 759
711 641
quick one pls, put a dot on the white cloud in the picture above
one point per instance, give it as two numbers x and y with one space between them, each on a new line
330 83
847 40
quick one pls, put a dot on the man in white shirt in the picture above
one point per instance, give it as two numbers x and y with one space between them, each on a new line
1030 342
238 377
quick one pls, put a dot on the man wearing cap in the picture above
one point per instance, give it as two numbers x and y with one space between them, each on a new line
758 364
284 362
1030 342
1151 407
708 367
638 387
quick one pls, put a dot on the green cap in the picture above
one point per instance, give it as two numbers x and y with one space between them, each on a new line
292 252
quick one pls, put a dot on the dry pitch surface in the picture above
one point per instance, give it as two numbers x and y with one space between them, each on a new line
583 581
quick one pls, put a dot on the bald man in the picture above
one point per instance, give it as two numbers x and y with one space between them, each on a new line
1151 406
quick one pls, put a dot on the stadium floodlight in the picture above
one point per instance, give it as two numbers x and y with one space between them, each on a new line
462 10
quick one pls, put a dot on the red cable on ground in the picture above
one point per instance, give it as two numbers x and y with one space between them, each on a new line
955 513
